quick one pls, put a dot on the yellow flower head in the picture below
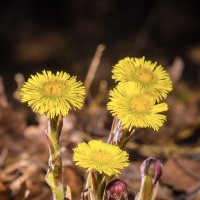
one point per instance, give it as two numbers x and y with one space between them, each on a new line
135 106
148 74
53 94
101 157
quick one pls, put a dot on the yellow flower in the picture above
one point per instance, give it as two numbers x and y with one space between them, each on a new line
53 94
148 74
101 157
135 106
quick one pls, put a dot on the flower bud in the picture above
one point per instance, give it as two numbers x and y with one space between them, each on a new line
117 190
152 167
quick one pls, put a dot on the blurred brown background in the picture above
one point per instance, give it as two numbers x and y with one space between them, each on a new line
64 35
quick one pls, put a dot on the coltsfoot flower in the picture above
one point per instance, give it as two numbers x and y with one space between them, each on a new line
148 74
101 157
135 106
53 94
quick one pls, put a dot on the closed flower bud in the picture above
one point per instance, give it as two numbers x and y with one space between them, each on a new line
117 190
152 167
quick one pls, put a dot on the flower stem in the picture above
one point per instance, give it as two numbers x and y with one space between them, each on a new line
54 174
118 135
97 183
146 190
99 186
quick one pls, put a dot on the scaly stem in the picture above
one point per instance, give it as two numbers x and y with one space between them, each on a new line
54 174
99 186
118 135
95 186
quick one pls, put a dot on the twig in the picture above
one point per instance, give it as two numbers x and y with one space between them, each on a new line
19 79
93 66
3 156
3 98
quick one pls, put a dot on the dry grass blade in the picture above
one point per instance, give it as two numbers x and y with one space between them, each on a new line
94 66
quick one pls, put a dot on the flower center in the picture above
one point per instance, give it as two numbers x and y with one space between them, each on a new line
141 103
53 88
101 157
144 75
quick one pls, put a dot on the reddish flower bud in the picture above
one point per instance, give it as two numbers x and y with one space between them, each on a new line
152 167
117 190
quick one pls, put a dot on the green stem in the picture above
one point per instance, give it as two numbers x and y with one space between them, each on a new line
54 174
99 186
127 135
97 183
146 190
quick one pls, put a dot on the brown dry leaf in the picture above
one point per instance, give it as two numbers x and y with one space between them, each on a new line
19 194
181 174
197 196
74 181
36 131
11 121
5 193
164 193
